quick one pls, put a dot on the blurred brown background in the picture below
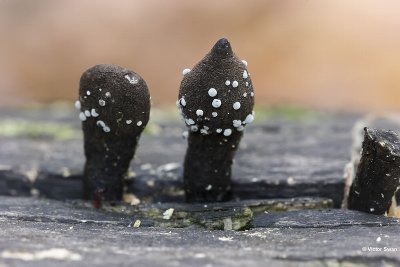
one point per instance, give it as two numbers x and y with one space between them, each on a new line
341 55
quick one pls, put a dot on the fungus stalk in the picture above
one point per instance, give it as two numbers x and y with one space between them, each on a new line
115 106
377 177
216 101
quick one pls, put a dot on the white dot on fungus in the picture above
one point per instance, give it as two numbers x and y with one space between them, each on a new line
132 80
235 84
245 74
94 113
203 131
249 119
236 105
183 101
87 113
185 71
102 102
101 124
228 82
88 92
128 121
237 123
78 104
244 62
214 114
189 121
199 112
227 132
212 92
219 130
139 123
216 103
82 116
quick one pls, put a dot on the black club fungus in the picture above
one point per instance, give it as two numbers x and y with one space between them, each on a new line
377 176
216 100
115 106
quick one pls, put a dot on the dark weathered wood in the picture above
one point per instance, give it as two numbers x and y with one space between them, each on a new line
43 210
378 172
283 168
232 215
212 216
14 184
51 233
327 218
44 232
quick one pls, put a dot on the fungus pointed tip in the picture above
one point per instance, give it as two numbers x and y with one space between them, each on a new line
223 42
222 48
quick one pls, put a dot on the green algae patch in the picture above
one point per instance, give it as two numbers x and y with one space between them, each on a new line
232 215
36 129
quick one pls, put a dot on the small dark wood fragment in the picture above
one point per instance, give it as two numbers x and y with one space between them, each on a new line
377 177
216 100
115 107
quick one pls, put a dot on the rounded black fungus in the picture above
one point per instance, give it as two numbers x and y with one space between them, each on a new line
115 107
216 100
377 177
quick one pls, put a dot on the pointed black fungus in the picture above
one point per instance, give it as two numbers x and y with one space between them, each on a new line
216 100
222 48
115 107
377 177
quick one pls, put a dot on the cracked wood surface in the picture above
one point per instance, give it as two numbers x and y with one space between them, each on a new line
43 222
276 158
